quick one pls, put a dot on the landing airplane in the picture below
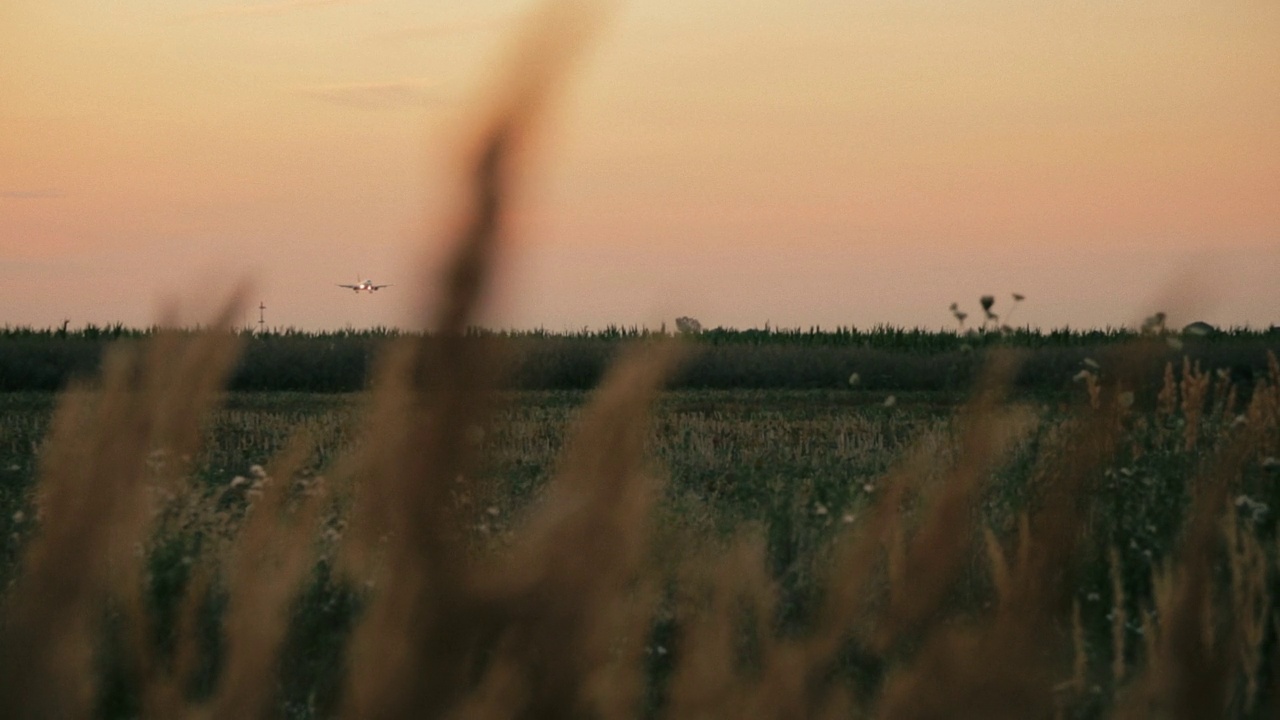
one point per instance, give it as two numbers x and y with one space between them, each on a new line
364 285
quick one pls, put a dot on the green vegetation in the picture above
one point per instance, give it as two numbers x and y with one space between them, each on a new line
806 469
723 448
891 359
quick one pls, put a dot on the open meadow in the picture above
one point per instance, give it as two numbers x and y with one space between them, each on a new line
942 497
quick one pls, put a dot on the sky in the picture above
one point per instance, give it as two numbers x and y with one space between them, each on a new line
743 162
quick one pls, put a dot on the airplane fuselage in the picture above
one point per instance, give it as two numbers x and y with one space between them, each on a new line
364 286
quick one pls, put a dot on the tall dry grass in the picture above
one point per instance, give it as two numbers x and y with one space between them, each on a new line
589 608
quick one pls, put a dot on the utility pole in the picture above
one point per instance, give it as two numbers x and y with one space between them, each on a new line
262 317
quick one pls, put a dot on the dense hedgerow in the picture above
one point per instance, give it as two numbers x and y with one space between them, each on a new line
885 358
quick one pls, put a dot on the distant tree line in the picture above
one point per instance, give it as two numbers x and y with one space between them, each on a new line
884 358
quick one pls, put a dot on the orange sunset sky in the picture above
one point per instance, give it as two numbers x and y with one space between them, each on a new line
741 161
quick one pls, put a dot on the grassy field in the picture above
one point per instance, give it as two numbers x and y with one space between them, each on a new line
797 472
739 455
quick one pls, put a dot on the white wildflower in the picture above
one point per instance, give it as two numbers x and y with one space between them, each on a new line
1256 508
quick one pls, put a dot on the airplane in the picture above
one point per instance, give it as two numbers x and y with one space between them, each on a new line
365 285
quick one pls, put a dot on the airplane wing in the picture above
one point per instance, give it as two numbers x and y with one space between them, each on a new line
353 287
379 287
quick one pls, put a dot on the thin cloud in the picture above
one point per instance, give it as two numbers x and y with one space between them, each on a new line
435 31
41 194
389 95
279 7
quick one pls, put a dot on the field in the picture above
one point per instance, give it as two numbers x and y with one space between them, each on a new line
793 475
735 454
